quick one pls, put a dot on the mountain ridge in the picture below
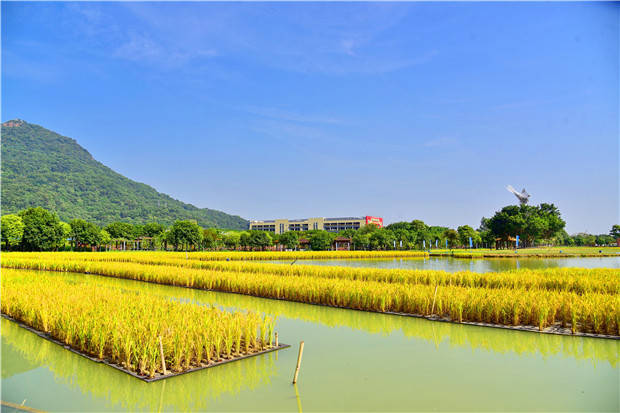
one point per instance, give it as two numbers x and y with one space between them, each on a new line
43 168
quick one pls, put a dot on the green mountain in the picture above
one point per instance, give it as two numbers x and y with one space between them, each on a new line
43 168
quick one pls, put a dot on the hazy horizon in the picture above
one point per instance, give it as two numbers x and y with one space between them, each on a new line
402 110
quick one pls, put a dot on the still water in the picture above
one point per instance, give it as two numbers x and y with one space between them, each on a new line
476 265
353 361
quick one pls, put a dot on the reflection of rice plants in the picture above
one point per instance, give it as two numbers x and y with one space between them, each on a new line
582 300
119 389
124 327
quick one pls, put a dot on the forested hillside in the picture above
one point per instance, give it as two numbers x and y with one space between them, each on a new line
43 168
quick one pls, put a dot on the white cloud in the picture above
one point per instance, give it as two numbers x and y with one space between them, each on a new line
288 115
306 38
138 47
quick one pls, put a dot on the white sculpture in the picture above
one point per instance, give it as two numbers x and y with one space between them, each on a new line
523 196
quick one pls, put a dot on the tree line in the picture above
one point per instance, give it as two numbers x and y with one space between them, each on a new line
37 229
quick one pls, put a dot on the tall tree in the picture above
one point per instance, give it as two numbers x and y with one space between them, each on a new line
185 234
465 232
104 237
361 240
12 229
152 229
259 239
84 233
290 239
582 239
244 239
436 233
121 230
382 240
452 236
554 222
605 239
211 238
231 240
419 232
401 234
321 241
42 230
532 223
405 226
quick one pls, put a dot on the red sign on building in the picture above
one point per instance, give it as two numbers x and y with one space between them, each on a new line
374 220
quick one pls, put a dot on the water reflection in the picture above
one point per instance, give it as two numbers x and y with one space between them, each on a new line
475 265
188 392
484 338
299 409
13 364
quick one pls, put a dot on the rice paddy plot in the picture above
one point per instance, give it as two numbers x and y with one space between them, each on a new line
353 361
578 280
150 337
565 301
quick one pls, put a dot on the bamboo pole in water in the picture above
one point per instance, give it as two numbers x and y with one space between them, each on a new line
434 297
19 407
301 352
161 352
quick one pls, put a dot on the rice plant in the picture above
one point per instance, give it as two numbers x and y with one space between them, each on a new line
585 300
579 280
238 255
123 327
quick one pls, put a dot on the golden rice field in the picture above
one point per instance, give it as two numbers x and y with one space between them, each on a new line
131 394
579 280
578 300
286 255
124 327
375 323
297 255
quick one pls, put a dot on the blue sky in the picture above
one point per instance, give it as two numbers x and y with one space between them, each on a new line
401 110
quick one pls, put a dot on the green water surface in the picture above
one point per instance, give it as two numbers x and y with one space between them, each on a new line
353 361
461 264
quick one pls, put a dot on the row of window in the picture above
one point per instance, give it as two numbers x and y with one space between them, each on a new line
264 227
340 226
